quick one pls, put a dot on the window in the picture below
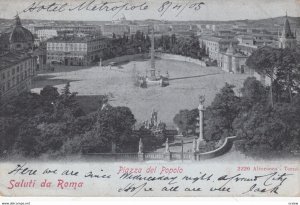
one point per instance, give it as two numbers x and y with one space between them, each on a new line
18 69
3 76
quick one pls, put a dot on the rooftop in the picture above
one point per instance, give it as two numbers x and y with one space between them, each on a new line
218 39
210 38
12 58
74 39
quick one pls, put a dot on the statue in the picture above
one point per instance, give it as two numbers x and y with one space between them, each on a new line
194 145
202 99
141 147
167 146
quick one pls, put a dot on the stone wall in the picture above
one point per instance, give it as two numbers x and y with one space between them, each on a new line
166 56
182 58
126 58
227 145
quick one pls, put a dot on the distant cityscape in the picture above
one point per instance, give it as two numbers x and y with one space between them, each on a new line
226 44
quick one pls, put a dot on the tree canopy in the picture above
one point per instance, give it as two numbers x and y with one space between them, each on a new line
221 113
282 66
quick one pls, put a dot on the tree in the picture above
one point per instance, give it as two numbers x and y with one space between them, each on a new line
194 50
149 140
114 125
49 93
288 72
263 131
265 61
173 39
252 92
221 114
66 90
67 101
267 132
9 127
27 140
186 120
35 124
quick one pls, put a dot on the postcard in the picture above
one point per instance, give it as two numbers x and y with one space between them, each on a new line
165 98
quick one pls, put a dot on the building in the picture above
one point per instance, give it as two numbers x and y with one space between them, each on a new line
245 40
45 34
121 20
184 29
220 27
246 49
162 28
225 33
17 70
117 29
142 28
232 61
287 39
74 50
17 62
18 38
205 32
41 54
214 45
82 28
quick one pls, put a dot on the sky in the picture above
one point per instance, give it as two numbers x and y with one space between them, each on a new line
210 10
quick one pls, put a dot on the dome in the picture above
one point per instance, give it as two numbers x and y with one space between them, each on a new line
20 34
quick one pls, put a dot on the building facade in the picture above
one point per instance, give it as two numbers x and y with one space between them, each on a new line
162 28
117 29
45 34
72 28
17 62
184 29
233 61
75 51
214 45
16 72
142 28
